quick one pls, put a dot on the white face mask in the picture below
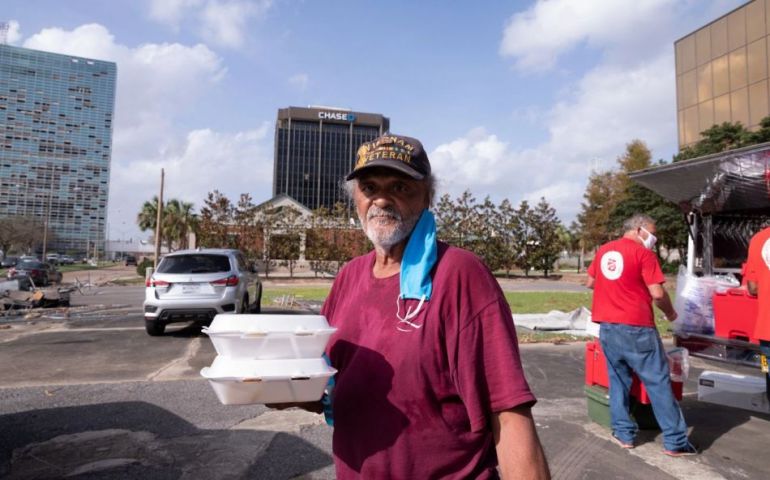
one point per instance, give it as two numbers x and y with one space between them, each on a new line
649 242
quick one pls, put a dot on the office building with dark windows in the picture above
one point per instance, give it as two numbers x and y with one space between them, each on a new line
315 148
56 116
722 72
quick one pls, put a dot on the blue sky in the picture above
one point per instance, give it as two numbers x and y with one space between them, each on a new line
516 100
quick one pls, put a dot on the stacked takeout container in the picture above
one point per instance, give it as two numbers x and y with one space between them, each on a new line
268 358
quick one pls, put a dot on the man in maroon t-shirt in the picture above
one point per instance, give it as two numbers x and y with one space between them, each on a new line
626 278
430 387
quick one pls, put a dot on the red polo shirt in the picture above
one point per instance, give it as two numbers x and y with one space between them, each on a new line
758 270
622 270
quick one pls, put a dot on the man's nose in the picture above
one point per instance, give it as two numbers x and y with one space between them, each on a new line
383 200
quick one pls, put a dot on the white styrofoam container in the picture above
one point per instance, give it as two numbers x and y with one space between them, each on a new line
239 381
740 391
268 337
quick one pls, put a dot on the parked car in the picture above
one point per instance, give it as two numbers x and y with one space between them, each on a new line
52 258
9 262
129 260
41 273
196 285
66 260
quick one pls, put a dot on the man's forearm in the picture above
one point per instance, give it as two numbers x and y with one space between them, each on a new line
519 452
664 304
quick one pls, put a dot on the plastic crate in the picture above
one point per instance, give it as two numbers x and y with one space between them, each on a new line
598 403
735 315
596 374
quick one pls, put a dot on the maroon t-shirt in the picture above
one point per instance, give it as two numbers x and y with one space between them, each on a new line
417 403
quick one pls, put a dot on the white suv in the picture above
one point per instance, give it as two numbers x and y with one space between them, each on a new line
196 285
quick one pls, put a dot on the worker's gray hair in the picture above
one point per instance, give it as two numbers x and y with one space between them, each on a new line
429 181
637 220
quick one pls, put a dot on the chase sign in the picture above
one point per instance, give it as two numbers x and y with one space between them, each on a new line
346 117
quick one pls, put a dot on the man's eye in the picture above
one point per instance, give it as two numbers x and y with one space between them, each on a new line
401 188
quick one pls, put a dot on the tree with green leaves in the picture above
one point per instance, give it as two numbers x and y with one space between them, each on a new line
508 226
248 227
457 221
20 233
525 235
490 236
285 239
546 245
719 138
599 200
179 220
216 217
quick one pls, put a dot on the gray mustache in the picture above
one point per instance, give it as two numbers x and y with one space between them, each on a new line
376 211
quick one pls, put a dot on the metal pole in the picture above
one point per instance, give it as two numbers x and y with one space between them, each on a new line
158 221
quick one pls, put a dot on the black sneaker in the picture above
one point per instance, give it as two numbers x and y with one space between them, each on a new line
686 451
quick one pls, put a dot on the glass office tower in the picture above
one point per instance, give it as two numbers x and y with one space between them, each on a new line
722 72
315 148
56 114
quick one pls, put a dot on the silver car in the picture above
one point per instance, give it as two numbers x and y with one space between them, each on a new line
195 285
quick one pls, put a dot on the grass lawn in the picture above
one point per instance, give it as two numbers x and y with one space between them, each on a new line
544 302
269 294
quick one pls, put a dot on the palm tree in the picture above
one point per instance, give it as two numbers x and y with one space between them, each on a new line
188 222
148 215
179 219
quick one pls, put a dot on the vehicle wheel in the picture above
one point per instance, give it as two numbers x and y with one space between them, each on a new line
153 328
257 307
245 304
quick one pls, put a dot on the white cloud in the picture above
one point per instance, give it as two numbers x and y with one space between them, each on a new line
171 12
628 93
157 85
300 81
223 23
610 107
537 37
203 161
13 35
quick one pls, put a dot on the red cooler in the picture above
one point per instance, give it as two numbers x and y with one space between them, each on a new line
596 374
735 315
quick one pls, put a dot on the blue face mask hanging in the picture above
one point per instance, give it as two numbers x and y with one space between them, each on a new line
419 258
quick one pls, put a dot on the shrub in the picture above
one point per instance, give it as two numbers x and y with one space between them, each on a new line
141 268
670 268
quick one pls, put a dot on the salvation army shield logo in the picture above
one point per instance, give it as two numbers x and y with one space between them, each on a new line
612 265
766 252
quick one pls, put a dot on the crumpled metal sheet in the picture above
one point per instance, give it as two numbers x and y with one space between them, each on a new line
733 181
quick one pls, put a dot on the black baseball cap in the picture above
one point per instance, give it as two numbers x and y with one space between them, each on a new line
405 154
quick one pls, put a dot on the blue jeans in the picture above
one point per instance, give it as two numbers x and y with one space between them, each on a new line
639 349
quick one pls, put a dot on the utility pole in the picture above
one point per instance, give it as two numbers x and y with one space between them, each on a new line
158 221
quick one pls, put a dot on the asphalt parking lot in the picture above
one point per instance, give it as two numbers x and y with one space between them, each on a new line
89 395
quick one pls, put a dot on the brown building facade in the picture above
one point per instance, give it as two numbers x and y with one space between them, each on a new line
722 72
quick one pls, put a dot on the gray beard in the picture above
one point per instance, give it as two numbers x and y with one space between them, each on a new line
386 239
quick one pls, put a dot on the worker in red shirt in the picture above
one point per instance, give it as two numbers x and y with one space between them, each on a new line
626 278
758 282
